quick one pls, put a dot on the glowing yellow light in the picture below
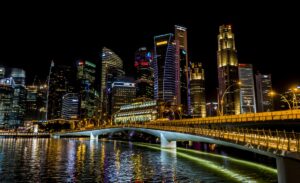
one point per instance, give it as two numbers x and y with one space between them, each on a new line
272 93
161 43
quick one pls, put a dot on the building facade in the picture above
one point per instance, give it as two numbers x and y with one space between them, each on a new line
19 96
144 73
197 90
166 69
112 69
228 94
12 97
212 109
86 74
136 112
6 101
31 102
2 72
247 90
70 106
263 92
62 81
123 92
184 97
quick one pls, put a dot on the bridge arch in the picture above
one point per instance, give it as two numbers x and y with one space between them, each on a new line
169 138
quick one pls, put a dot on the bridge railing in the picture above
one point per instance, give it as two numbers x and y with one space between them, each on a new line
23 134
241 118
253 138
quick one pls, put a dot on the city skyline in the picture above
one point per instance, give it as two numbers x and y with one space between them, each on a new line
262 39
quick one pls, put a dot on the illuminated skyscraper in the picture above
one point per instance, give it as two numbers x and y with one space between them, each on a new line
123 91
31 102
18 75
86 73
144 73
228 71
19 98
12 96
198 103
166 69
263 90
247 91
70 106
184 80
6 101
112 68
41 101
62 81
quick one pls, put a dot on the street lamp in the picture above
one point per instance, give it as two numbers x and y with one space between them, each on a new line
161 108
225 92
293 90
284 99
179 109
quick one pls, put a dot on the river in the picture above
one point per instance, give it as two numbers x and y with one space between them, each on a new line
84 160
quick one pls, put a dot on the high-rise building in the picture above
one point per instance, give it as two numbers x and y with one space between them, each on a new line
70 106
166 69
2 72
19 105
41 101
86 73
112 68
184 68
123 91
263 92
144 73
19 97
228 94
31 102
18 75
6 101
247 91
14 91
61 82
197 87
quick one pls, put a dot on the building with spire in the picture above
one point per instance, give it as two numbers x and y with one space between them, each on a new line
228 94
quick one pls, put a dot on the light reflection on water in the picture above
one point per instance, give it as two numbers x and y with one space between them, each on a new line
82 160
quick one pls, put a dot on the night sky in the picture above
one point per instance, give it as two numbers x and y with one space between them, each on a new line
266 35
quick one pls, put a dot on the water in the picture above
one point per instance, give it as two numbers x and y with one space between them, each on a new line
82 160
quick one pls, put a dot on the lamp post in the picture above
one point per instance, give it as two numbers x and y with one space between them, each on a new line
225 92
284 99
161 108
180 109
295 102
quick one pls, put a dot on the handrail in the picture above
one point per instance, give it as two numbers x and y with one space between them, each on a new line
241 118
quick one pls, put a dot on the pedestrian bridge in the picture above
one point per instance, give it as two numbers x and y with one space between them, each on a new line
283 146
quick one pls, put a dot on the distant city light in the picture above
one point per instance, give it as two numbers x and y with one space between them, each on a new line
161 43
